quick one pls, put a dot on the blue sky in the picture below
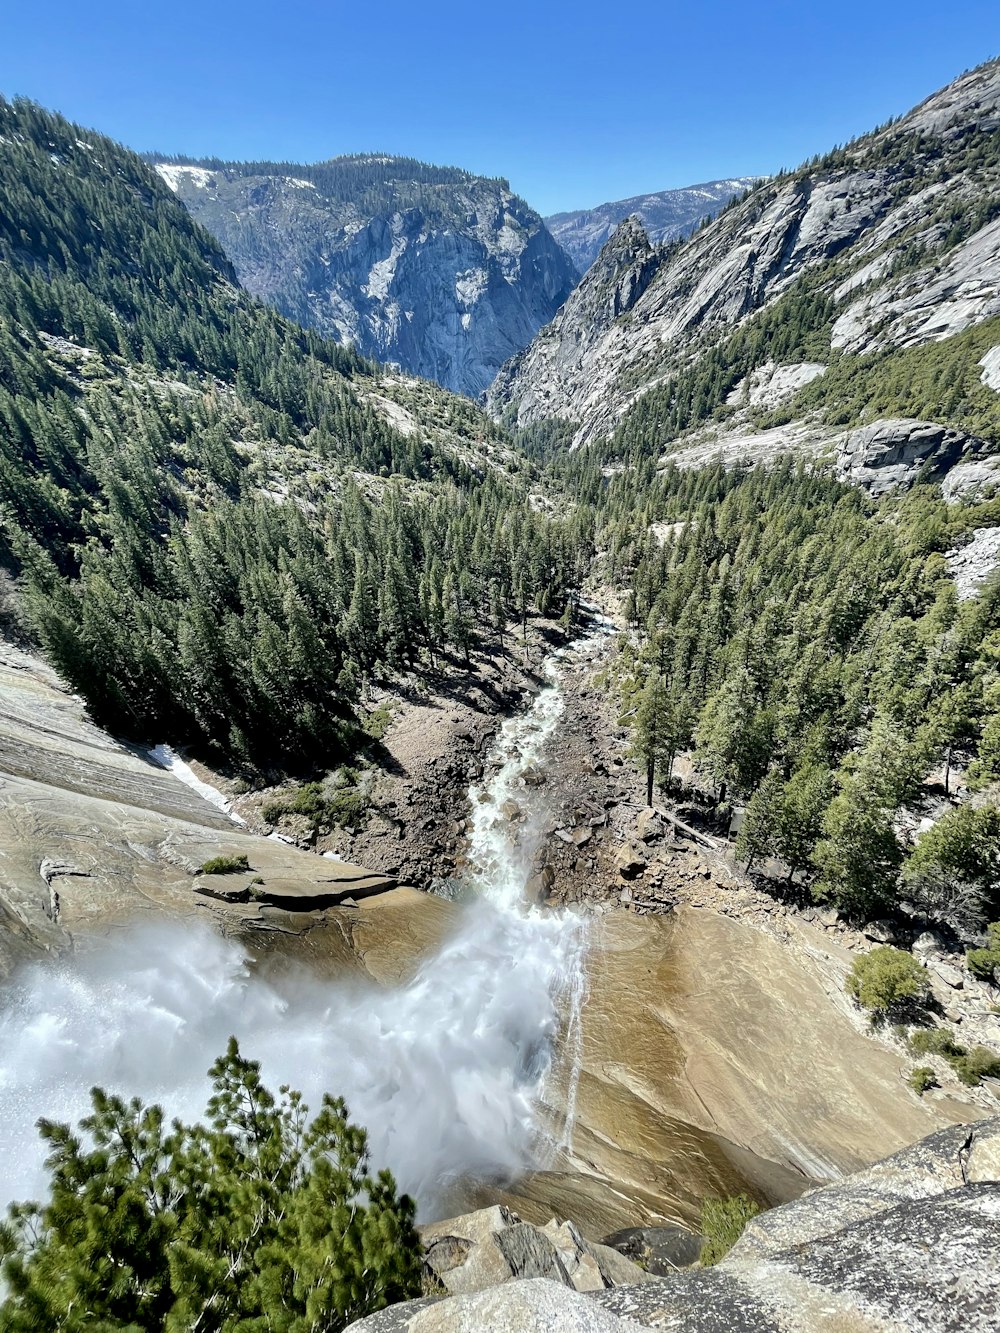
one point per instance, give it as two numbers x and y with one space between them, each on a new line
576 103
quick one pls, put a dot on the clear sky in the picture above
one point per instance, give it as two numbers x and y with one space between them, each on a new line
576 103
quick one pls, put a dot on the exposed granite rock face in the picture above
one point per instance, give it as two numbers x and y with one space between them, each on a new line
519 1307
562 353
448 277
665 216
972 564
892 455
944 1161
909 1244
839 228
924 1265
92 832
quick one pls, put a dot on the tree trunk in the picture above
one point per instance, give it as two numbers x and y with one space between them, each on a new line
650 770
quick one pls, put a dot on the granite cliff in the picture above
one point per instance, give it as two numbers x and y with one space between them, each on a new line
860 288
445 273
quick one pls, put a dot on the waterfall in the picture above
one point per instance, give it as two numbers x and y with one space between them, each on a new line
444 1071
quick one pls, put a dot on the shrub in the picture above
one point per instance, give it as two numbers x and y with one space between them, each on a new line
921 1078
723 1222
978 1064
985 963
225 865
377 722
971 1067
886 980
323 809
935 1041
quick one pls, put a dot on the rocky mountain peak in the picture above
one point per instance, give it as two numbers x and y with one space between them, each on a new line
666 216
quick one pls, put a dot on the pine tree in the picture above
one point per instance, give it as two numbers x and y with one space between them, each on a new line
257 1218
758 835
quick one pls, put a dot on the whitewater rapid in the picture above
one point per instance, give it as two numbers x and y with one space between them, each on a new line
445 1071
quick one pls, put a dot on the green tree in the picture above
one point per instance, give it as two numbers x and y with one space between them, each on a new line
886 980
758 835
804 799
256 1219
953 872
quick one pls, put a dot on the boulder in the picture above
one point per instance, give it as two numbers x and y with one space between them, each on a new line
929 942
539 886
951 976
881 932
589 1266
511 811
660 1250
631 861
493 1246
533 776
649 826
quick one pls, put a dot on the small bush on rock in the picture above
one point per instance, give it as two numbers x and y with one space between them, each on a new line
921 1078
346 806
886 981
971 1067
723 1222
977 1064
225 865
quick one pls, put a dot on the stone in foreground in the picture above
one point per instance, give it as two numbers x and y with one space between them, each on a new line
910 1243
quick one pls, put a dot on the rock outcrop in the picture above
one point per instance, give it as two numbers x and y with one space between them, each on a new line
908 1244
491 1246
666 216
888 244
445 273
894 454
94 832
531 387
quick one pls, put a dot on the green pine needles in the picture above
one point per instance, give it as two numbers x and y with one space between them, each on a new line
258 1219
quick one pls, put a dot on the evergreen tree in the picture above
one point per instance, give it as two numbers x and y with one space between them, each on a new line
258 1218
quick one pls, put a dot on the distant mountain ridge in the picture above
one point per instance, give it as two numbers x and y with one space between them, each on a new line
446 273
666 215
848 309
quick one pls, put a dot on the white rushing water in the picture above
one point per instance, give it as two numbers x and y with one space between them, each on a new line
444 1071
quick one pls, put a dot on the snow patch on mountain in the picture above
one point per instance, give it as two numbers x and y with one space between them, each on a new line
175 175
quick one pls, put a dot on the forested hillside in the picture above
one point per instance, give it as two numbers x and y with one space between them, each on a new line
443 272
222 524
805 648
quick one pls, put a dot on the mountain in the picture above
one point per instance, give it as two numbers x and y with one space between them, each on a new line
219 524
666 216
445 273
841 308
